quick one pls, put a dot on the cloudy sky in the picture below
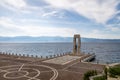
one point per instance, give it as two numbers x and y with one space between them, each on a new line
90 18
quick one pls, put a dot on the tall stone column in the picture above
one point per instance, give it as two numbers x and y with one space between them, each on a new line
76 44
79 45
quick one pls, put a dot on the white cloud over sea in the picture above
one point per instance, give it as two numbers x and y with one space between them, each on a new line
98 10
90 18
31 30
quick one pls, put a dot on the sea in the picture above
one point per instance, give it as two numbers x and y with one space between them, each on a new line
105 52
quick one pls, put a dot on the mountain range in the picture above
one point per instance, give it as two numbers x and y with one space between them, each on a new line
30 39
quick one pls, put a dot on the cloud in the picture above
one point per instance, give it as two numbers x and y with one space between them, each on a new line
15 3
99 11
22 6
7 22
18 6
102 34
118 18
94 34
113 28
10 28
52 13
48 31
42 20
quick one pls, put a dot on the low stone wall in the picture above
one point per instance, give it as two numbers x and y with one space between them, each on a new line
33 56
88 59
92 78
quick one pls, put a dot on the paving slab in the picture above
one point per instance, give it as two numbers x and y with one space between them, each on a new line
62 60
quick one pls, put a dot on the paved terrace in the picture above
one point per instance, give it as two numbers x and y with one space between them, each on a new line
62 60
12 68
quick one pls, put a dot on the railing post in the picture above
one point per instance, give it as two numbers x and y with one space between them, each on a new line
46 57
41 57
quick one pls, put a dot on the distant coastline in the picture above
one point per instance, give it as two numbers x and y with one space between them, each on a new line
44 39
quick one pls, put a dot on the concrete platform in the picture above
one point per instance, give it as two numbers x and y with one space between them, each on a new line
62 60
22 69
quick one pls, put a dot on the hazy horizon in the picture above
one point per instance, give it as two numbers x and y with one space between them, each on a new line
54 37
28 39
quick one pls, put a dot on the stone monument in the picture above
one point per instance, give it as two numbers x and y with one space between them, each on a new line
76 44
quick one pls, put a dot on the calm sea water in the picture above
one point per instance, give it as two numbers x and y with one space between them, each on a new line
105 52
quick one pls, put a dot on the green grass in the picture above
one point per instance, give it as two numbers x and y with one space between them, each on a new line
100 78
114 71
89 74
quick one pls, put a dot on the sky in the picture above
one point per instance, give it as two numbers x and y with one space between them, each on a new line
64 18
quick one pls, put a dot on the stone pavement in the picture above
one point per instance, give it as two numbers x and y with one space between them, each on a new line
114 78
62 60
